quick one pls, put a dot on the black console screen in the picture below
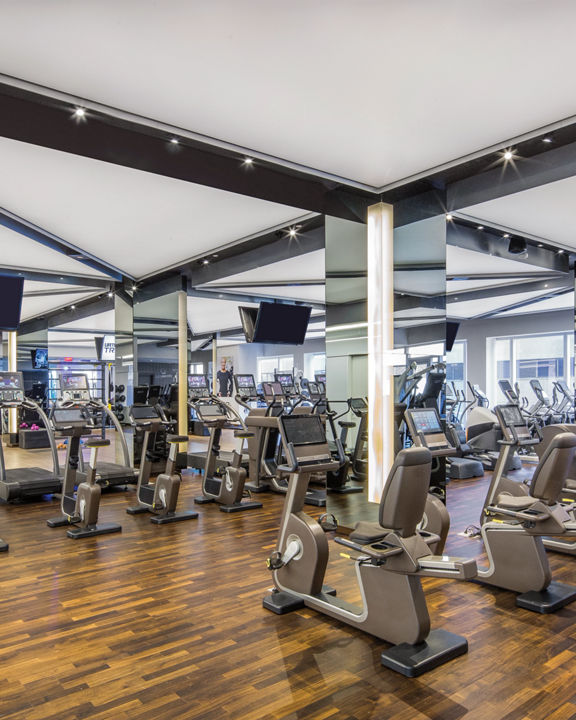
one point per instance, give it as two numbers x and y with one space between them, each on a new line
426 421
11 380
511 416
303 429
73 382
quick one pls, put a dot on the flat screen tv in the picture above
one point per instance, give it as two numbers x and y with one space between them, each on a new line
11 289
39 359
281 324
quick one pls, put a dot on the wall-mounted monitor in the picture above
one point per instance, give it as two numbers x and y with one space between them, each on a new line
11 290
275 323
39 358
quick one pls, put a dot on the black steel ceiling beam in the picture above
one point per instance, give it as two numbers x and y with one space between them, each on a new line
492 243
41 120
44 237
556 283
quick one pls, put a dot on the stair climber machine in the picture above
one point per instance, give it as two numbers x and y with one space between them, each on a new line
516 518
389 570
483 433
26 482
79 506
264 447
223 487
160 497
75 392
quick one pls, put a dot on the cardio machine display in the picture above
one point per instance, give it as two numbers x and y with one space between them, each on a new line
303 430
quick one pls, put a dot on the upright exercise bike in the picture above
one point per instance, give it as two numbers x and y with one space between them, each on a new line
79 508
389 571
161 497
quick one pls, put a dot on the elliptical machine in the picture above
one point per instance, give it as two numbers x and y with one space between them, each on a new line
389 570
227 488
161 497
79 508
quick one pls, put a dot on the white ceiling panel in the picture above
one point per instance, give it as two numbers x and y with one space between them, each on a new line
136 221
310 293
207 315
102 322
301 267
34 286
18 252
455 286
255 72
559 302
468 262
548 211
34 306
472 308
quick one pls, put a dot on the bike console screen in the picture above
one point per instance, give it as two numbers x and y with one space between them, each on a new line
303 429
426 421
511 415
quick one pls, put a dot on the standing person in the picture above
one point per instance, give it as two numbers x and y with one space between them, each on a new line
224 378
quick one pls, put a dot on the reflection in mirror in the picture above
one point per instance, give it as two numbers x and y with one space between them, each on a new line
510 300
33 359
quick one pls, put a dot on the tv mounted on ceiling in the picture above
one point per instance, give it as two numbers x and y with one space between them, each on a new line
275 323
11 291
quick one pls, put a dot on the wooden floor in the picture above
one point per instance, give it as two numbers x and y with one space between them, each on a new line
166 622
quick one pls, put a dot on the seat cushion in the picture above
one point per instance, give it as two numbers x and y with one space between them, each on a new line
515 503
367 532
570 484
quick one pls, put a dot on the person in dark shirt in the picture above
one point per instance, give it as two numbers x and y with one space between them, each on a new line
224 378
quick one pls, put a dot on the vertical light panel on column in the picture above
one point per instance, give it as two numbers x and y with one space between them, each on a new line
380 346
183 365
12 367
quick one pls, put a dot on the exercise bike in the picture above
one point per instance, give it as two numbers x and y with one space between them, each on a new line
79 508
389 571
161 497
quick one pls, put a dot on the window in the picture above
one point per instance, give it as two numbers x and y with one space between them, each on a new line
197 369
314 363
522 358
267 366
456 366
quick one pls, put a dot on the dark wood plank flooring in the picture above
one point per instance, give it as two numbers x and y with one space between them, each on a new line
166 622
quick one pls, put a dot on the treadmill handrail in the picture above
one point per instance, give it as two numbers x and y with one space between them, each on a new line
32 404
124 445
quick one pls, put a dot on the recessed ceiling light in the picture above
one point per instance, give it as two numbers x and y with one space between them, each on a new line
72 307
546 285
480 227
547 139
448 216
175 141
506 235
540 245
110 294
508 155
248 161
205 262
560 252
79 113
215 255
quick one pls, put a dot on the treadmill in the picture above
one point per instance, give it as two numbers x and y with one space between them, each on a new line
75 392
20 483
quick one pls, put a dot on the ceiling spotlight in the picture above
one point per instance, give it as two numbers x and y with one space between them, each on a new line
547 139
72 307
560 252
79 113
508 155
248 161
540 245
175 141
215 255
506 235
480 227
110 294
205 261
134 287
517 246
448 217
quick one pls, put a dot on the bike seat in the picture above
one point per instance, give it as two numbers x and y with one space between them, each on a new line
177 438
97 443
243 434
345 424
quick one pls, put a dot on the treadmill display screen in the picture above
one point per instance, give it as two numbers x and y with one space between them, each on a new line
144 412
66 416
11 380
313 389
209 412
320 377
426 421
511 416
505 386
73 382
197 381
285 380
245 382
303 429
272 388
